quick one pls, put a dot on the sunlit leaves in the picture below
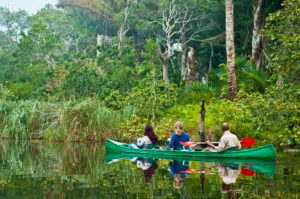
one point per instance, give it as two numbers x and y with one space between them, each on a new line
283 32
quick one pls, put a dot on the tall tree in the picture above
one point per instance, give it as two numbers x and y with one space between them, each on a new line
230 50
176 24
257 39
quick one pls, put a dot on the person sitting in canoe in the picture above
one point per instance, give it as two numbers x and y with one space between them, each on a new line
178 136
149 140
228 141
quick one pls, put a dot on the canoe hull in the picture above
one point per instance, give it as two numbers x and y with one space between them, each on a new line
267 152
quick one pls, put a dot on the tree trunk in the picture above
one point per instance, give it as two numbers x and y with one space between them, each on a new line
184 58
257 40
230 50
123 30
165 63
210 61
191 69
201 123
120 39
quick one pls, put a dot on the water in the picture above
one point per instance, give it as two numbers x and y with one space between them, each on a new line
40 170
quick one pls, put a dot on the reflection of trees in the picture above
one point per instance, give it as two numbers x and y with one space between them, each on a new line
80 158
77 171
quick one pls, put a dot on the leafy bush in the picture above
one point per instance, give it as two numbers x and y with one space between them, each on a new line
5 93
273 116
284 62
149 98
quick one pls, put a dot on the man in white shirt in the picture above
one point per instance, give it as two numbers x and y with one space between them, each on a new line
227 141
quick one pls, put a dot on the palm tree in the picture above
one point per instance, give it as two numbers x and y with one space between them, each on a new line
230 50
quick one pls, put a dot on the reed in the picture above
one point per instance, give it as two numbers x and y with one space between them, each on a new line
71 121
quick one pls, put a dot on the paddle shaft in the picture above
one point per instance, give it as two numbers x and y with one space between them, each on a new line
244 142
216 143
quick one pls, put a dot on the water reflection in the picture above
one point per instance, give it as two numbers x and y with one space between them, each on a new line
148 166
225 170
178 170
48 170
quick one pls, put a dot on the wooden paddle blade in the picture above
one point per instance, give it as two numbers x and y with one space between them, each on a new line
189 144
247 142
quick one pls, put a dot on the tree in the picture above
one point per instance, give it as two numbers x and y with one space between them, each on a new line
175 23
282 32
112 14
257 39
39 45
13 23
230 50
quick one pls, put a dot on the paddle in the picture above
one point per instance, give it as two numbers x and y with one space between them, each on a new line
195 171
244 171
244 142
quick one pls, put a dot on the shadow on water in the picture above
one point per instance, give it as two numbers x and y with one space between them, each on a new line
40 170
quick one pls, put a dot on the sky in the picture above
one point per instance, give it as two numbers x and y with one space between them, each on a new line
31 6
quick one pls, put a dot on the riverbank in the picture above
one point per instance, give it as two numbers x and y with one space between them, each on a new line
272 117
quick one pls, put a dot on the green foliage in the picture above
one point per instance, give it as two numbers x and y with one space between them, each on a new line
284 50
150 59
89 120
71 121
250 78
118 73
272 116
82 79
149 98
5 93
52 56
38 45
194 93
12 23
22 90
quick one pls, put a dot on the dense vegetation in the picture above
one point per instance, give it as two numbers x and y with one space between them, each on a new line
58 83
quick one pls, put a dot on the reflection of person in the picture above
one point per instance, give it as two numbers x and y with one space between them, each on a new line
228 141
178 136
229 174
149 167
176 169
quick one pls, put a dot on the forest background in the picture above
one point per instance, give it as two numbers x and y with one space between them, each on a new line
89 70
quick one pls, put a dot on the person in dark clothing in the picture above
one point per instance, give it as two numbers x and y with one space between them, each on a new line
178 136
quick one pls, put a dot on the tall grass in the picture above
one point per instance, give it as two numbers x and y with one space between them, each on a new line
71 121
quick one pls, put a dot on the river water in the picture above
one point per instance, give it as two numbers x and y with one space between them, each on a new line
41 170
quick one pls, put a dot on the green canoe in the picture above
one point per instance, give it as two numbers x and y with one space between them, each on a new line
266 152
